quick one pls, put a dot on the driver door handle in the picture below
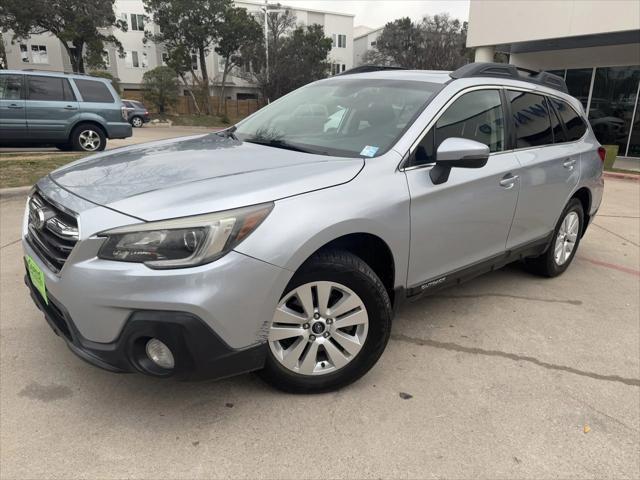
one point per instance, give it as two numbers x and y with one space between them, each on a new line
508 181
70 107
14 105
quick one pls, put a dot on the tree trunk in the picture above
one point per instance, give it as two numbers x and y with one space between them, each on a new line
223 99
205 78
195 102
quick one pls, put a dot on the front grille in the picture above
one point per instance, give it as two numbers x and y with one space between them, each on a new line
52 232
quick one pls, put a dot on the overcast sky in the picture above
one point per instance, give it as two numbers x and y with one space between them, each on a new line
376 13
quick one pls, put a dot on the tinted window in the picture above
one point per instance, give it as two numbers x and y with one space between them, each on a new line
556 125
531 119
49 88
475 115
574 124
10 87
93 91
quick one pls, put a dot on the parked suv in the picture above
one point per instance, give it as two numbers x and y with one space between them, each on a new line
72 112
285 243
137 113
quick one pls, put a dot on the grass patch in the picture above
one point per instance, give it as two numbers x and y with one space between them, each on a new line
197 121
622 170
26 169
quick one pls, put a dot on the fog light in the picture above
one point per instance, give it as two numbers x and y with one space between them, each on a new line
160 354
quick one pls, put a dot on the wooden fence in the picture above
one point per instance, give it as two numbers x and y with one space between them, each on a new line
185 106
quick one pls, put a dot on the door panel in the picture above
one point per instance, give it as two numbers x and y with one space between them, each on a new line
50 107
466 219
463 221
13 123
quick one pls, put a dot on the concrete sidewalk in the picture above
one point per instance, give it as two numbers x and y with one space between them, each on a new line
510 376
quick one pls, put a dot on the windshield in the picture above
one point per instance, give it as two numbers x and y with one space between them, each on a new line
341 117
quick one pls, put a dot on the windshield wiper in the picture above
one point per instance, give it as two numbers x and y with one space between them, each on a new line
282 144
228 132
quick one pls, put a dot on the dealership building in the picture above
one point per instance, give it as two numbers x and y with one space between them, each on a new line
593 45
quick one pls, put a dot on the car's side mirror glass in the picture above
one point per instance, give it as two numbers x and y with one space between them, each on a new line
457 152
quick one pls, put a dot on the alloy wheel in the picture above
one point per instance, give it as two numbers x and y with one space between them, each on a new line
318 328
89 140
566 238
137 122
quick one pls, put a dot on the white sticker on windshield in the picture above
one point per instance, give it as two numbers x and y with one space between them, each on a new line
369 151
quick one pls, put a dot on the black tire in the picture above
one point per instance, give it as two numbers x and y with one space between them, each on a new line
65 147
546 265
136 121
82 128
350 271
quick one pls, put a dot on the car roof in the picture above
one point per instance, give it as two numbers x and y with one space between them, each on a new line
51 73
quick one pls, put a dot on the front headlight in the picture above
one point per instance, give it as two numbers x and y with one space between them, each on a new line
182 242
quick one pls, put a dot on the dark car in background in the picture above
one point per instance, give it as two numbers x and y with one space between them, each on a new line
137 113
72 112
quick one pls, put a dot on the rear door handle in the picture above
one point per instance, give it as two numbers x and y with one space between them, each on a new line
15 105
508 181
569 164
70 107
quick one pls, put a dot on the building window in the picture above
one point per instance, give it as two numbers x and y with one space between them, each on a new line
344 67
106 59
131 59
342 41
137 22
39 54
373 44
145 61
578 82
24 53
165 58
194 61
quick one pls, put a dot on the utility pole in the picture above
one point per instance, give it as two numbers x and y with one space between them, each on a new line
266 37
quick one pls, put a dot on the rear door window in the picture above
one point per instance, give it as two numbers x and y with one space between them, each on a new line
11 87
48 89
573 122
556 125
531 119
93 91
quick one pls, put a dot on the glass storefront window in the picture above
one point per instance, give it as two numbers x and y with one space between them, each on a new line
612 103
578 82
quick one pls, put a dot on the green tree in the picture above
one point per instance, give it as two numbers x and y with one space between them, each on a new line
114 81
239 30
190 26
435 43
297 55
160 87
79 25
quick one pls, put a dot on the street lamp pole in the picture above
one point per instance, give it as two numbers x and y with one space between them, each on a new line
266 38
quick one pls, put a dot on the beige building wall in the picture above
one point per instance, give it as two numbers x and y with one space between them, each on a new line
609 56
494 22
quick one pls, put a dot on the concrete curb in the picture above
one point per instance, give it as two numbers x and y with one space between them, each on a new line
622 176
14 192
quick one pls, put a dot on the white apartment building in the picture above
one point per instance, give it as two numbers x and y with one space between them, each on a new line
593 45
365 39
45 51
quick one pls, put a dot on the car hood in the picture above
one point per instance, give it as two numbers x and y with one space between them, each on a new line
199 174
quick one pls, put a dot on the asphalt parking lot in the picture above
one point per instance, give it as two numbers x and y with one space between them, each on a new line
140 135
509 376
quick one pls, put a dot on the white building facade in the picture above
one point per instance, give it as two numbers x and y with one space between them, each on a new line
593 45
47 53
365 40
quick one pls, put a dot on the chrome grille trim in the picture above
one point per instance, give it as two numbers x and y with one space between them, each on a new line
51 232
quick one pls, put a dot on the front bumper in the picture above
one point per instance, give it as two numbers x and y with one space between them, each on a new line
199 353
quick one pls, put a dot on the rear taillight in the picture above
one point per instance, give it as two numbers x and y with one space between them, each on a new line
123 112
602 153
146 112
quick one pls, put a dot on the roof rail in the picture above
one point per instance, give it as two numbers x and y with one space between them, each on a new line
369 68
506 70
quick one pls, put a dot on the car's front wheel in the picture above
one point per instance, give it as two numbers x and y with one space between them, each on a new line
330 326
564 243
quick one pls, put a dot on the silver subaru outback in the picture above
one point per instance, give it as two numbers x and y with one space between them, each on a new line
285 243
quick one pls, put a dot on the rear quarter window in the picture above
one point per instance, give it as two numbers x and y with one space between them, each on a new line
575 125
93 91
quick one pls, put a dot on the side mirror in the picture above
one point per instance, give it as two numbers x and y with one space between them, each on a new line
457 152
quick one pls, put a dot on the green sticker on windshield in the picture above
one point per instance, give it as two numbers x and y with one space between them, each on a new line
37 278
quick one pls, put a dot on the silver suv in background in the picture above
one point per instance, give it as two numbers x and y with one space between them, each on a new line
72 112
284 244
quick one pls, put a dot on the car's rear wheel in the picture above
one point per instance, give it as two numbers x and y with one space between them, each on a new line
87 137
564 243
137 122
330 327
